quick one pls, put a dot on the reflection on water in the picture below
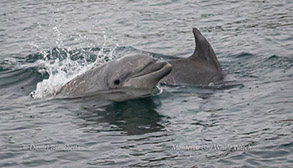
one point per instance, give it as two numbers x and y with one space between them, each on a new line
133 117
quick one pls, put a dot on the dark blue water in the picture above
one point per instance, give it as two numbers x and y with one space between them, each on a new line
44 43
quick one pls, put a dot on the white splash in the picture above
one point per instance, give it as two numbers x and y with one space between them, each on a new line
60 72
63 70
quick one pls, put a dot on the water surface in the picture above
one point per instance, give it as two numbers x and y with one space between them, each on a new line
45 43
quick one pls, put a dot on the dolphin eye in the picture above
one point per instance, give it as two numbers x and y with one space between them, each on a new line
117 81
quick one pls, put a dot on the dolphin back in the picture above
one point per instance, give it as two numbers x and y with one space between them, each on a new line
204 51
87 83
201 68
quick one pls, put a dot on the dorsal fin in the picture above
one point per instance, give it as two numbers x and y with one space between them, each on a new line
204 50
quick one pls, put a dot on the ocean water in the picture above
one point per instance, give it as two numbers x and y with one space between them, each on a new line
43 44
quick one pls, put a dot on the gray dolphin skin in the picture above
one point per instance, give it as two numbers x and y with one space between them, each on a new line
129 72
144 72
201 68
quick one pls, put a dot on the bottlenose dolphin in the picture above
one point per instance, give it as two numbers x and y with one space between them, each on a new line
201 68
144 72
128 72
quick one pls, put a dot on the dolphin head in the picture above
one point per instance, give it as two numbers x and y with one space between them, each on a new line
133 75
136 71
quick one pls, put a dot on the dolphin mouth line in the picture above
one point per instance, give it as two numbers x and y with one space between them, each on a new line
157 69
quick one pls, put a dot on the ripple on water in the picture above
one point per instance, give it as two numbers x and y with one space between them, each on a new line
245 122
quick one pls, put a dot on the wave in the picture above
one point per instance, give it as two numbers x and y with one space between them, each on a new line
43 73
